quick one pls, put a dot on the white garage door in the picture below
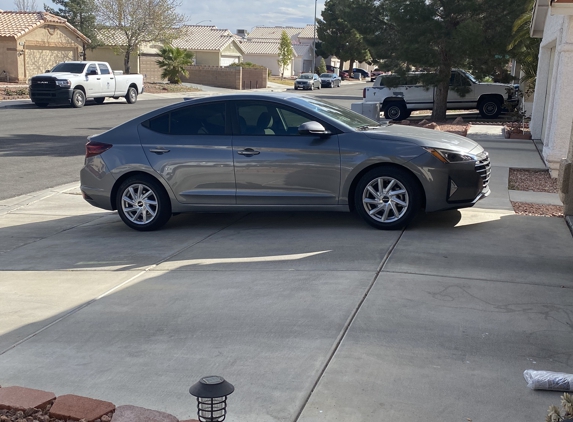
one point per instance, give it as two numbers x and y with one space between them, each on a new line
38 60
227 60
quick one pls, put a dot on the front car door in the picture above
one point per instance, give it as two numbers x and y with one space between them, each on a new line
93 81
107 80
465 97
190 147
275 165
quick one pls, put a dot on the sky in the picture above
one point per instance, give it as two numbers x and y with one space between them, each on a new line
235 14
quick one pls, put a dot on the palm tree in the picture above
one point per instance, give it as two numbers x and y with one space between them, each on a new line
173 62
524 48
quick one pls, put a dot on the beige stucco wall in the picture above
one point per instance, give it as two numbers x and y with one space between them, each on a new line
231 50
206 58
269 62
46 46
8 59
114 57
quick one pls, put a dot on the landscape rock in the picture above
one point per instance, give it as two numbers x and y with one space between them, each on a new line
458 121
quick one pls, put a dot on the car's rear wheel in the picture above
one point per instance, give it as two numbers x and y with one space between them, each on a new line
387 198
99 100
78 98
131 96
143 204
395 111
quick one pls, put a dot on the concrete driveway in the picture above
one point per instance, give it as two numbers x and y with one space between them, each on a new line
312 316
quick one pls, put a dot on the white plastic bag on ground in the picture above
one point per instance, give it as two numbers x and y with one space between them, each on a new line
547 380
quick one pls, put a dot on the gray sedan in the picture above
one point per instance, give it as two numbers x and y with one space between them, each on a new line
277 152
307 81
330 80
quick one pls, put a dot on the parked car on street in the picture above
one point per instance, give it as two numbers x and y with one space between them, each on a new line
277 151
307 81
75 82
364 73
397 102
330 80
374 74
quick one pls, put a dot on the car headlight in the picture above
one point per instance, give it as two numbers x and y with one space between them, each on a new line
63 83
447 156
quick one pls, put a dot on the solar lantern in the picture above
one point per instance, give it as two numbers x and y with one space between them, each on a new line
211 392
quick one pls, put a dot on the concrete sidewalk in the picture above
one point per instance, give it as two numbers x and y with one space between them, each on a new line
312 316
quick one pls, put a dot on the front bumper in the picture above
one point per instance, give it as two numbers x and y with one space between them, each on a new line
51 95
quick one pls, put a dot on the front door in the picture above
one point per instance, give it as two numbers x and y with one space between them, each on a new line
190 148
461 93
275 165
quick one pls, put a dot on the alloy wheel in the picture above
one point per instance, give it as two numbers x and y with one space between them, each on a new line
139 204
385 199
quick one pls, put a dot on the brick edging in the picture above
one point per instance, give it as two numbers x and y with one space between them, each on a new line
22 402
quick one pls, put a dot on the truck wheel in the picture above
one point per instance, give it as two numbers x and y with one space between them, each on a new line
78 98
99 100
387 198
489 108
131 96
42 105
395 111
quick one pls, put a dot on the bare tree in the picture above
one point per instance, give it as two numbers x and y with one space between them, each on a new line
25 5
140 21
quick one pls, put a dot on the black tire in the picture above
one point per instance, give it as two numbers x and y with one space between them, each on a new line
407 114
131 96
399 201
42 105
395 111
295 88
319 86
78 98
99 100
489 108
148 199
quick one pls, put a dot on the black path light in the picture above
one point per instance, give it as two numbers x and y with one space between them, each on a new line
211 393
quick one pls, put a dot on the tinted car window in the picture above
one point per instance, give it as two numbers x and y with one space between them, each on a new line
91 68
269 119
103 69
69 67
194 120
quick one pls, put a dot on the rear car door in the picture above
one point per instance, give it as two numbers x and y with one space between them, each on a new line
190 147
275 165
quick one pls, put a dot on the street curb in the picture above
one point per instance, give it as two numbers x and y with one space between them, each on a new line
69 407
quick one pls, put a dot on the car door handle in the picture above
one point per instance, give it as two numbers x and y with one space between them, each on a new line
249 152
98 79
159 151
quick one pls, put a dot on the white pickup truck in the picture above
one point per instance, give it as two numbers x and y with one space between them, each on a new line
74 82
397 103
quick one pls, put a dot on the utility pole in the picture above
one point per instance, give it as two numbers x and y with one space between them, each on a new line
314 40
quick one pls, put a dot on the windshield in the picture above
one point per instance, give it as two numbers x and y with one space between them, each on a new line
470 77
69 67
326 75
342 114
306 76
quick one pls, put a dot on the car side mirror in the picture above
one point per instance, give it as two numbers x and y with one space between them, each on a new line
313 128
47 71
92 72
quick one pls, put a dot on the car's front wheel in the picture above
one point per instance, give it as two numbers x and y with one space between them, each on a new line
78 98
395 111
387 198
143 204
489 108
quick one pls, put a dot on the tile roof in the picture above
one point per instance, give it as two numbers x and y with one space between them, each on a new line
260 33
16 24
307 32
111 36
201 37
258 47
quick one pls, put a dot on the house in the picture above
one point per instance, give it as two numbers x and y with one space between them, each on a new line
31 42
211 46
109 50
266 53
552 115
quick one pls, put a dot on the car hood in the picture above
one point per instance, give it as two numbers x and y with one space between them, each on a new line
425 138
303 80
58 75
